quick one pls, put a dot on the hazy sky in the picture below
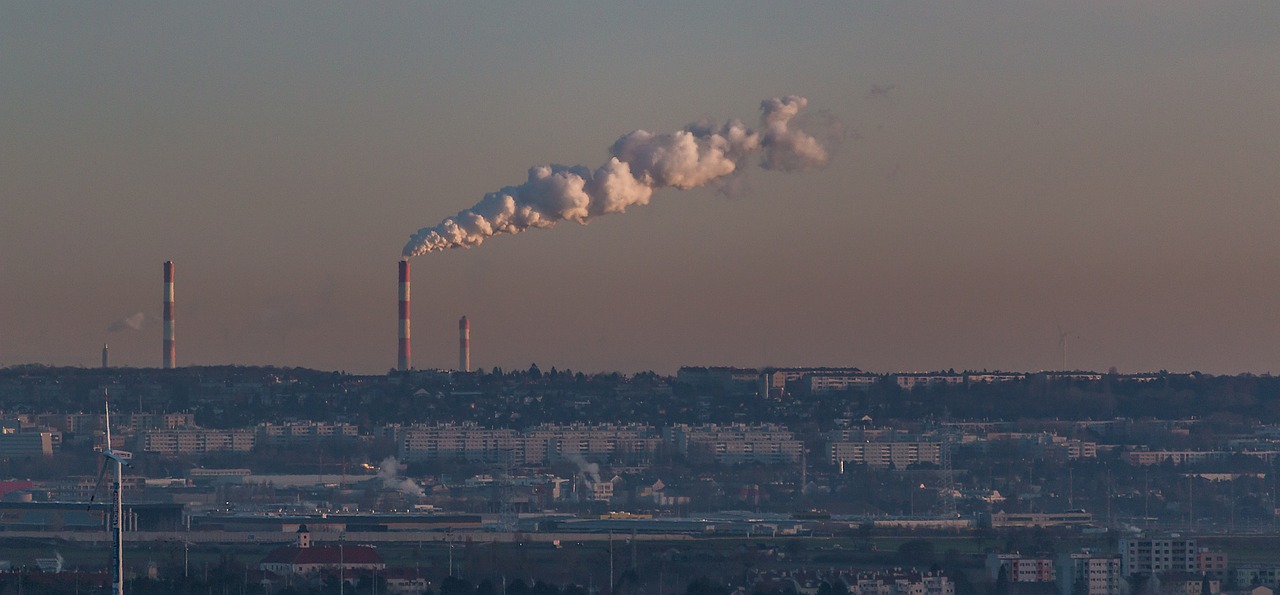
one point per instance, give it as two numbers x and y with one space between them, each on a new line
1109 167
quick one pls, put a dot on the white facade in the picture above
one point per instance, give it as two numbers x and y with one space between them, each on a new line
835 382
195 441
460 441
880 455
1099 572
737 443
1019 568
304 433
1157 555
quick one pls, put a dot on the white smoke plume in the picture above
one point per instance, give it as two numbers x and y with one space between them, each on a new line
388 472
133 322
641 162
589 472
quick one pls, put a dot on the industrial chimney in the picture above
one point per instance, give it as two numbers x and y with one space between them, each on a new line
170 352
402 362
464 344
104 356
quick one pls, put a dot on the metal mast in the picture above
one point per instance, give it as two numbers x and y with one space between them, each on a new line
120 459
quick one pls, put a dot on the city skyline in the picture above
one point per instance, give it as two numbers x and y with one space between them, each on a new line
1013 175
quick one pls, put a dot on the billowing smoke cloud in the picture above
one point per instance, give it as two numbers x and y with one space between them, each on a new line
388 472
641 162
132 322
589 472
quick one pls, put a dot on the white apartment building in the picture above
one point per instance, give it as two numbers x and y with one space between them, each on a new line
1019 568
541 445
1048 444
1267 574
908 381
26 444
993 377
1148 556
736 443
194 441
1100 573
550 443
461 441
880 455
823 383
166 421
305 433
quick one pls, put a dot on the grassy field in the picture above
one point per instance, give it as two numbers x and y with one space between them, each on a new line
590 561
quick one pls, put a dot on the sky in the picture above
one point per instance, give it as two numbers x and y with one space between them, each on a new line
1011 173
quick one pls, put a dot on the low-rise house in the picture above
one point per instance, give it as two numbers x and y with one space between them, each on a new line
304 559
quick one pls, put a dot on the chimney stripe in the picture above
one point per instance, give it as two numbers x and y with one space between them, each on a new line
170 348
404 347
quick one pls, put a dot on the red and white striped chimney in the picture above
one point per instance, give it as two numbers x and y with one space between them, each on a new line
464 344
402 362
170 352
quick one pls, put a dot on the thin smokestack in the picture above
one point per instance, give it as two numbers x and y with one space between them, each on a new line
104 356
170 351
464 344
402 361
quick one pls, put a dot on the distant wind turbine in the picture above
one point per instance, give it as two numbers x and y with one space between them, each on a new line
120 459
1062 343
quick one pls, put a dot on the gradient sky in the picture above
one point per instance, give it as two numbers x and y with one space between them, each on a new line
1107 167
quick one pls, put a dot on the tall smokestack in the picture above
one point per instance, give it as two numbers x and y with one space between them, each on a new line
170 352
464 344
104 356
402 362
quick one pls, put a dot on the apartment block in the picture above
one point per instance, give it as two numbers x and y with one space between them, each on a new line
308 433
736 443
1019 568
195 441
1100 573
1146 556
26 444
468 442
880 455
627 443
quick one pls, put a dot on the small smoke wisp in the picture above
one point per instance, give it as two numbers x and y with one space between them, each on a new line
388 472
640 163
133 322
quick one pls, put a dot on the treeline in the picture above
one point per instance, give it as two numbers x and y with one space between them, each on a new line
224 397
1166 397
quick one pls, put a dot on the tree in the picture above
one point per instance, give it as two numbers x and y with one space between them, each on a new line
704 586
836 588
517 587
1002 581
917 552
1080 585
541 588
455 586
